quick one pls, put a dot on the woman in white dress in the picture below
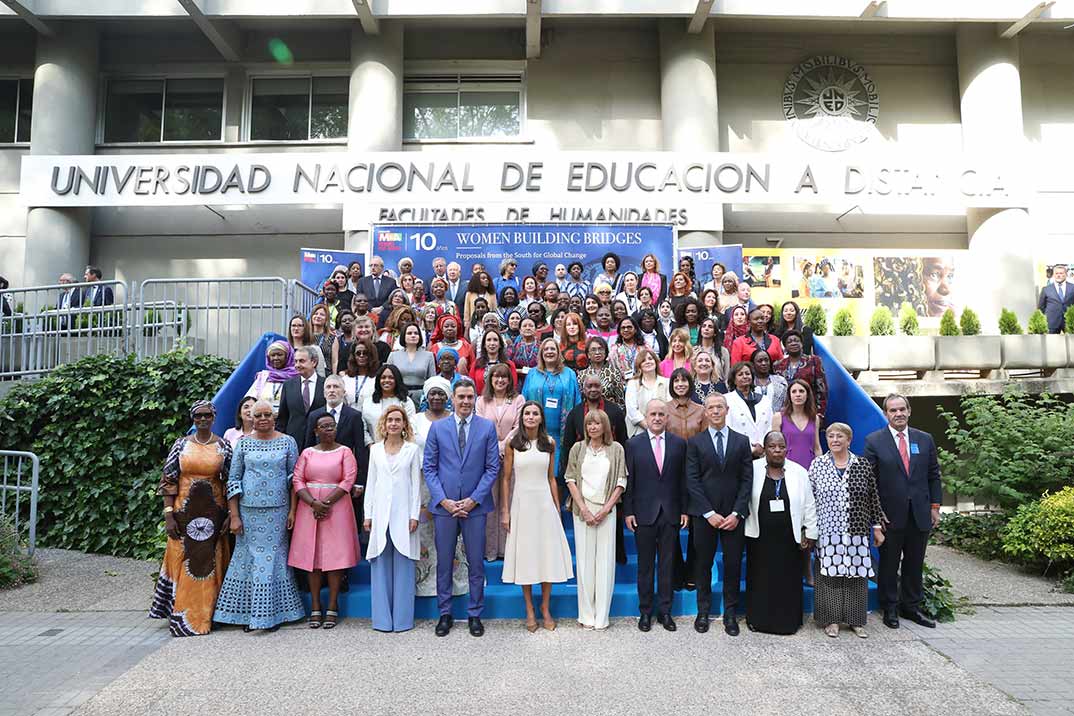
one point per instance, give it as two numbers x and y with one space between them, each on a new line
748 412
596 478
392 505
388 389
537 551
647 384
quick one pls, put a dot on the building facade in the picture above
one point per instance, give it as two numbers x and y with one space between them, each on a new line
891 88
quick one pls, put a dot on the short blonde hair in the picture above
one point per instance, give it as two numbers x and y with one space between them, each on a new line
408 432
599 416
541 365
684 335
841 428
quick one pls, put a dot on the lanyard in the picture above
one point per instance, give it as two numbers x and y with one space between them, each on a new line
779 487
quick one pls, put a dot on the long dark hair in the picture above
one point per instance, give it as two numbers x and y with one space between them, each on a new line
519 442
489 393
371 350
810 406
638 340
238 411
400 388
475 287
781 327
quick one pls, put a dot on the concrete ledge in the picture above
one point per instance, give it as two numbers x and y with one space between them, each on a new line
1033 351
851 351
982 353
917 353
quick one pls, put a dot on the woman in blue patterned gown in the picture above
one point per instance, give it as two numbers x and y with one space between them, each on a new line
259 589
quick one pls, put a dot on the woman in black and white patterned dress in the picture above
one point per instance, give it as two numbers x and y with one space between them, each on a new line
848 509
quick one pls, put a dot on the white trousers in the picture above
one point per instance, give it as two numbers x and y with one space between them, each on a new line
594 549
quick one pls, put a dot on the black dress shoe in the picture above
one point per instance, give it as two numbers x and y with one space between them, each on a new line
476 627
730 625
918 617
667 622
891 619
701 624
645 622
443 627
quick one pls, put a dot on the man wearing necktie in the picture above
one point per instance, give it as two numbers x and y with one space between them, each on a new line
907 473
719 480
376 286
655 508
1055 298
301 395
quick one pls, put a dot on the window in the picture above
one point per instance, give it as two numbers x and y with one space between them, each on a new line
299 108
462 106
16 106
164 110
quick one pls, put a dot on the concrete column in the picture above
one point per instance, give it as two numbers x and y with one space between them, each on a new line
376 94
1000 240
688 103
64 122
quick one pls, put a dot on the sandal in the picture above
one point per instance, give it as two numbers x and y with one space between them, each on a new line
330 619
316 620
531 626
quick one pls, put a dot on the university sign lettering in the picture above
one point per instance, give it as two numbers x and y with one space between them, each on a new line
677 188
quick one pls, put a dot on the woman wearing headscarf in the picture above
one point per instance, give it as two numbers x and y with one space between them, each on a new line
259 590
737 327
279 366
193 488
448 335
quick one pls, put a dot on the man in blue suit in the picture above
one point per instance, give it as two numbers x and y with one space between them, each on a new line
1055 298
462 460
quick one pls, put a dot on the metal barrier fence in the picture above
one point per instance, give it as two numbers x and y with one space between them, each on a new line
44 327
219 316
18 500
303 299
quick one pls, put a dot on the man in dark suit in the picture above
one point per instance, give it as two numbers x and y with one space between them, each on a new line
350 432
456 287
719 479
1055 298
908 480
655 508
574 431
301 395
376 286
96 295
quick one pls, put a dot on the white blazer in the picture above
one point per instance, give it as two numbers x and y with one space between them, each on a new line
393 498
796 483
740 420
638 397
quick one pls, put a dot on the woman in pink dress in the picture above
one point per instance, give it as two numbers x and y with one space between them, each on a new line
500 403
325 538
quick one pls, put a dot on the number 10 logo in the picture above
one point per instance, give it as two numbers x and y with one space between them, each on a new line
424 242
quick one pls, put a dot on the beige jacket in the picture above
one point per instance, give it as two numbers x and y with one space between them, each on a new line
617 478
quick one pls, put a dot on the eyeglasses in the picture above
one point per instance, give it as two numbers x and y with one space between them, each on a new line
202 416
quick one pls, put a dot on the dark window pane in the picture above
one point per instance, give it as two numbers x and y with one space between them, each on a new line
430 115
280 109
26 105
329 120
8 100
132 111
193 110
488 114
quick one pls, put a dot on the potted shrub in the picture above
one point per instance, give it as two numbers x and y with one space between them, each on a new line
850 350
1034 350
1069 328
815 319
969 351
906 352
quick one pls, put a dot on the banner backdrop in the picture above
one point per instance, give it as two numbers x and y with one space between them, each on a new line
729 255
317 264
526 243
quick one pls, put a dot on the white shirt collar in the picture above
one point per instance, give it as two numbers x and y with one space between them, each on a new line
895 433
459 420
722 431
653 436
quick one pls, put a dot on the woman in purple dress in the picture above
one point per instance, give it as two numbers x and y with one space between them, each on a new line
800 426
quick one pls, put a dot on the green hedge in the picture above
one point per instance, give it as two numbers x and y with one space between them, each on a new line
102 428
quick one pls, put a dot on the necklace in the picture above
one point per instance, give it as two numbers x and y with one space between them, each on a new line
199 442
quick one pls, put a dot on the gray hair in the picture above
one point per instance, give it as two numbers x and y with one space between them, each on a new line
334 380
895 396
310 353
505 263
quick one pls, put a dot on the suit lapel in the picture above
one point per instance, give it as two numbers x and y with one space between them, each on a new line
469 437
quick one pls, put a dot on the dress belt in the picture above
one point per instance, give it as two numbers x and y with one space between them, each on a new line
322 484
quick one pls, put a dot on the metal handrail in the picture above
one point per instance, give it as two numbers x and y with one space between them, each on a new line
18 488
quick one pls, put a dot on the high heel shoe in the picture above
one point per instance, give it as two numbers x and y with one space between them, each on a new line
531 626
550 624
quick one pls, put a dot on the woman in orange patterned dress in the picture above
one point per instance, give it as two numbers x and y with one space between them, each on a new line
195 518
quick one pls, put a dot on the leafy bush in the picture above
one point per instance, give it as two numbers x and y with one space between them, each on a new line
1068 317
1043 531
882 323
843 323
908 324
978 533
970 323
15 566
948 324
102 428
1038 324
939 600
815 319
1067 583
1008 449
1008 323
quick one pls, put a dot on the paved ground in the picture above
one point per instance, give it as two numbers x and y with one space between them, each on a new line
79 642
995 583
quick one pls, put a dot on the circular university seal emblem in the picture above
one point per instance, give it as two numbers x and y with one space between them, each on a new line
831 101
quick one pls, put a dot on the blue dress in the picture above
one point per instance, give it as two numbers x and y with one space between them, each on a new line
558 394
259 589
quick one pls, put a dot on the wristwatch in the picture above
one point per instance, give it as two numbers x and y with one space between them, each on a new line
169 509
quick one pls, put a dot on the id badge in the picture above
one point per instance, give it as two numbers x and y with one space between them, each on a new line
551 403
775 505
914 449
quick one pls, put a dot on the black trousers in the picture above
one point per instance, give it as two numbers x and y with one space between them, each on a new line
684 568
659 540
733 543
908 546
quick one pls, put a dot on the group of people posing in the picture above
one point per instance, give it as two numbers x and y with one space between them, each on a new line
407 427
